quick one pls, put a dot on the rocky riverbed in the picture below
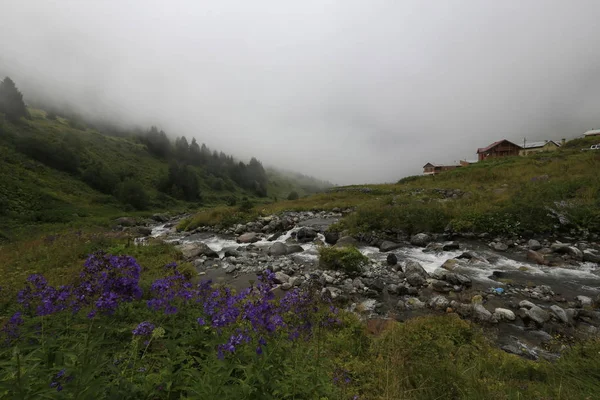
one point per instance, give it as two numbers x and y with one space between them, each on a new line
524 293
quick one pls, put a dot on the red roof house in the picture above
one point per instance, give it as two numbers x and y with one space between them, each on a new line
501 148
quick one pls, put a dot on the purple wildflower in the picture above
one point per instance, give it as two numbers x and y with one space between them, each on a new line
143 329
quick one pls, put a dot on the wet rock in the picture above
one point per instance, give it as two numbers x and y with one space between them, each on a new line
388 246
294 248
144 230
534 244
560 314
305 235
434 248
458 279
534 313
392 259
498 246
536 257
504 314
250 237
278 249
440 286
451 246
420 239
583 301
480 313
126 221
280 277
589 256
331 237
413 303
160 217
415 274
239 229
346 241
450 264
562 248
193 250
467 255
231 269
231 252
275 236
439 303
377 284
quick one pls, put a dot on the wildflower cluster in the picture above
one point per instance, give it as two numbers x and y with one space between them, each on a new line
169 290
59 379
105 282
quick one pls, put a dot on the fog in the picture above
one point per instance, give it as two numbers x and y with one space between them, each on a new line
349 91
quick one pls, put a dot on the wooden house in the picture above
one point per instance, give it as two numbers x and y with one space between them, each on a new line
501 148
434 169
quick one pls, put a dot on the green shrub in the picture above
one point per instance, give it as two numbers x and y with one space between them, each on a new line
132 192
347 259
293 195
246 205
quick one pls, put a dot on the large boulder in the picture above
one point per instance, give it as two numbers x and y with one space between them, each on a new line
346 241
415 274
589 256
562 248
499 246
439 303
294 248
420 239
392 259
305 235
534 313
560 313
536 257
144 230
126 221
504 314
250 237
386 246
278 249
193 250
534 244
480 313
451 246
331 237
160 217
450 264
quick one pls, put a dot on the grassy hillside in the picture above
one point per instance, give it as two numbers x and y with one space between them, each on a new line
547 192
54 170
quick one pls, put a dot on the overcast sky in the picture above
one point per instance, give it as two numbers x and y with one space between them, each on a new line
350 91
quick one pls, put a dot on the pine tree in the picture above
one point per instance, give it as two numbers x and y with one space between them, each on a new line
11 100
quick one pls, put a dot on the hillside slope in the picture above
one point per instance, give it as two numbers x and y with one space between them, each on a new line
56 170
543 193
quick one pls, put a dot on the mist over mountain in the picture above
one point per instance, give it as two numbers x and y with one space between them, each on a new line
347 91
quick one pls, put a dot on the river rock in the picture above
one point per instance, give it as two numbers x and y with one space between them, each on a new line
278 249
392 259
331 237
420 239
346 241
536 257
534 313
458 279
439 303
306 234
440 286
250 237
386 246
589 256
451 246
534 245
413 303
560 314
563 248
193 250
504 314
144 230
583 301
450 264
280 277
126 221
231 252
498 246
480 313
294 248
415 274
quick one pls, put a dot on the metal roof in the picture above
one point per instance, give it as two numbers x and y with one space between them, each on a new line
593 132
533 145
